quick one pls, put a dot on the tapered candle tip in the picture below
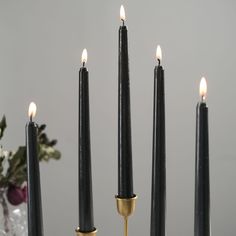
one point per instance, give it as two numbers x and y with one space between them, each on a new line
32 110
122 13
84 57
203 88
158 53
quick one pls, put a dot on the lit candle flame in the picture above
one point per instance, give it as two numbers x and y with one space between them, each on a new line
84 56
32 110
203 88
158 53
122 13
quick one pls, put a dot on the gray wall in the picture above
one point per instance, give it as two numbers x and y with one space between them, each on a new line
40 48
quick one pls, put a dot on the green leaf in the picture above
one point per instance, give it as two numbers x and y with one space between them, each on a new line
3 125
17 171
46 153
41 128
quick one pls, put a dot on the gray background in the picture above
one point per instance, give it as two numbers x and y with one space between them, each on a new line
40 49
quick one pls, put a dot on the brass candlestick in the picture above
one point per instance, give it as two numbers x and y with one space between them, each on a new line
92 233
126 207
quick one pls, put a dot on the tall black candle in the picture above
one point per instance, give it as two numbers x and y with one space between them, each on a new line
35 220
86 219
158 194
202 182
125 172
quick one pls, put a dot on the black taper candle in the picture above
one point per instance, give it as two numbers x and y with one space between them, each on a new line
202 179
158 194
125 172
35 219
86 219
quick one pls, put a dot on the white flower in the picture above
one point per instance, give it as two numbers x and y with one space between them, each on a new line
5 164
6 153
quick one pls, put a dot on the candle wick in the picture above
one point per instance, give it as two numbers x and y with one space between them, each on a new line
31 118
83 64
159 62
123 22
203 98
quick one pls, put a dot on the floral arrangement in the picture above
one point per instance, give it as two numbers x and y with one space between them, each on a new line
13 168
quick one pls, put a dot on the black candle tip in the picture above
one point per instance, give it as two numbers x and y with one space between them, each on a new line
123 22
31 118
159 62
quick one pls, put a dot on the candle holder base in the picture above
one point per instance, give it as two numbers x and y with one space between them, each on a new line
79 233
126 207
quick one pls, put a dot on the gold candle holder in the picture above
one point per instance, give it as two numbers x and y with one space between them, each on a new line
126 207
92 233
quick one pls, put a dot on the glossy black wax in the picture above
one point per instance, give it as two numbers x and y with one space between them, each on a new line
125 171
158 194
35 220
86 219
202 183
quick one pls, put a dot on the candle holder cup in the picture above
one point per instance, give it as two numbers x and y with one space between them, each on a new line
126 207
80 233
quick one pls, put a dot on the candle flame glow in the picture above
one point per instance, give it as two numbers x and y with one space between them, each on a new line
84 56
203 88
158 53
122 13
32 110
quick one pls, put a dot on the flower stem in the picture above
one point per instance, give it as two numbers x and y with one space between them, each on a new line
5 211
